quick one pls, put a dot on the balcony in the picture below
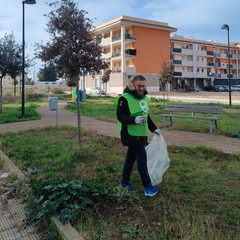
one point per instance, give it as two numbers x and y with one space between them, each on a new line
210 64
210 53
202 75
177 50
210 74
187 63
106 41
187 51
116 70
130 37
130 53
177 74
116 38
177 62
116 54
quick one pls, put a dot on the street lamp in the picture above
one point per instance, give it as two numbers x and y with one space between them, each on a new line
226 27
23 52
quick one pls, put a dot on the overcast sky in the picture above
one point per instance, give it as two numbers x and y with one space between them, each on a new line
200 19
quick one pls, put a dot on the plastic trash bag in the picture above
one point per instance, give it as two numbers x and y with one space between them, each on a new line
157 159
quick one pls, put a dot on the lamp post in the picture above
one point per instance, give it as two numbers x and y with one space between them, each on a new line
226 27
23 52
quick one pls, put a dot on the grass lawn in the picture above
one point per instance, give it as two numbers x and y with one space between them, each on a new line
12 113
199 198
103 109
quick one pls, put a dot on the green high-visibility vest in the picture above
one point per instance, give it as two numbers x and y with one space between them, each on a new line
137 107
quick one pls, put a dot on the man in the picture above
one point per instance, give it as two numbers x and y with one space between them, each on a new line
134 123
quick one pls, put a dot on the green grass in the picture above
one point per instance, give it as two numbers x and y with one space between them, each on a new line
103 109
199 198
12 113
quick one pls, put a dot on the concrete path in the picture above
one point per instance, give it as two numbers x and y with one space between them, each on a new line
172 137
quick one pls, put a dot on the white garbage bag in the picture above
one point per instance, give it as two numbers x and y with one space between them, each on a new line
157 159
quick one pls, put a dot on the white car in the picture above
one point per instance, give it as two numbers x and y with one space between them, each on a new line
96 91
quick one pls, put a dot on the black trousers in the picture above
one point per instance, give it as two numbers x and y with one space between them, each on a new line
136 153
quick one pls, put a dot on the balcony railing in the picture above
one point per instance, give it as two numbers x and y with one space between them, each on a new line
131 52
130 36
116 54
211 53
177 50
177 61
210 64
116 70
177 74
116 38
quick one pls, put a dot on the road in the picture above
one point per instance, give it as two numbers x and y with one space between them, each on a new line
201 97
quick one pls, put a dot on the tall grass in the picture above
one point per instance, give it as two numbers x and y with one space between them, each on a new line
199 198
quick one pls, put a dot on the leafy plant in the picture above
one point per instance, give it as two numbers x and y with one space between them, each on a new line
61 197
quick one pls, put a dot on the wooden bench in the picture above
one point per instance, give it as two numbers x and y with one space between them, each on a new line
69 101
197 112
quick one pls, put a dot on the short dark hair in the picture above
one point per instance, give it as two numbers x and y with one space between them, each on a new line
139 77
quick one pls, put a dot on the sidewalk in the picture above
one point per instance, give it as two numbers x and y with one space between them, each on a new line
12 220
172 137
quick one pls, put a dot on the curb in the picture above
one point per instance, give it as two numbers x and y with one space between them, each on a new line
10 166
66 231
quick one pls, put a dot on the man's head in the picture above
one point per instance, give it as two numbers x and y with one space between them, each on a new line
139 84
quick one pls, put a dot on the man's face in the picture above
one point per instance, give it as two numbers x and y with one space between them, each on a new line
139 86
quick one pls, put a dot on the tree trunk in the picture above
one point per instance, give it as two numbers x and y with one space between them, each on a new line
1 96
78 115
14 88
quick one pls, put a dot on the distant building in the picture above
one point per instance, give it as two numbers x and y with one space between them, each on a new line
7 81
203 63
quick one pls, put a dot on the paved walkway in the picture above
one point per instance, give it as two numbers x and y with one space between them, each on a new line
12 220
172 137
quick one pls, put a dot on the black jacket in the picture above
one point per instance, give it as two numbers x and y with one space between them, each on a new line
123 115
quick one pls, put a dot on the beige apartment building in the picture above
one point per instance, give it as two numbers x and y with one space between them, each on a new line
203 63
133 46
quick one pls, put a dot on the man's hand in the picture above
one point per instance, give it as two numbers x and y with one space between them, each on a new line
139 119
157 131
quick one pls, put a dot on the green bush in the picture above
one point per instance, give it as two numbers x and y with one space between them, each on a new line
61 197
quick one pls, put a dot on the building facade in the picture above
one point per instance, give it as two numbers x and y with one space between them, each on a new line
133 46
139 46
203 63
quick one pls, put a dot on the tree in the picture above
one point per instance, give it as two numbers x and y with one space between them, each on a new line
48 73
10 60
166 75
106 76
73 45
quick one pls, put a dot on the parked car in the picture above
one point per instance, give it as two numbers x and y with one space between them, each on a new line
208 88
226 87
235 87
192 88
96 91
219 88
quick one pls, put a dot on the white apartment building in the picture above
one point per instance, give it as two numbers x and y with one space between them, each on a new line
203 63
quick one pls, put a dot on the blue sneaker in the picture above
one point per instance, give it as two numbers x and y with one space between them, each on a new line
151 191
128 185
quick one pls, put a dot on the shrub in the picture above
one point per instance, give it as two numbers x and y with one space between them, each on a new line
61 197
